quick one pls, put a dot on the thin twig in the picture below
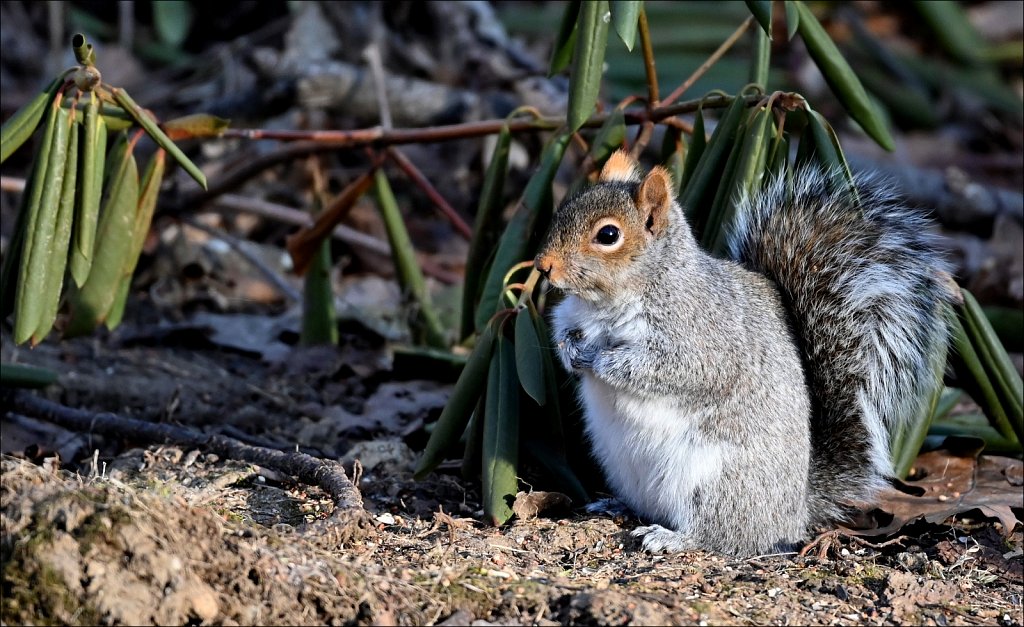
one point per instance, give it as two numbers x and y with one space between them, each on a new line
648 51
728 43
326 474
290 215
642 139
647 128
372 55
238 246
435 197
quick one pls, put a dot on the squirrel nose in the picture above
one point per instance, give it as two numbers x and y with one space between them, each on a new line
549 266
543 263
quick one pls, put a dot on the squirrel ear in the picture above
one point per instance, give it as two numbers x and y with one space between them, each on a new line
619 167
654 199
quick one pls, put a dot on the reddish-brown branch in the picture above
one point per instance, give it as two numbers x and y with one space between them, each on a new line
311 142
378 136
435 197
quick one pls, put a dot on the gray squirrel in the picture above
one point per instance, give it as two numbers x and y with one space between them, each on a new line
734 404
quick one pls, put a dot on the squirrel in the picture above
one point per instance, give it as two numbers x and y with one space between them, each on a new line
735 404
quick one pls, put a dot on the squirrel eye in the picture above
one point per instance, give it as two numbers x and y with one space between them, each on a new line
608 235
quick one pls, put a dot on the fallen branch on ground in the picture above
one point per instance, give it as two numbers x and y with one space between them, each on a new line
327 475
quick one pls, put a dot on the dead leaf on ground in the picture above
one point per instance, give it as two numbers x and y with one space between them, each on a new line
954 481
529 504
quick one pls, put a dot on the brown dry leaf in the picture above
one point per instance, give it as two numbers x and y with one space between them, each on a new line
953 482
529 504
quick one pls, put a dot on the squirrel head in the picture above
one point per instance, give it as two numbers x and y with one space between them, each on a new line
599 237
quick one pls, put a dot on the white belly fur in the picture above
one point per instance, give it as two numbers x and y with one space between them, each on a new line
652 450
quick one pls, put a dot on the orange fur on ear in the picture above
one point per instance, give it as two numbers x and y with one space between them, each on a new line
654 199
619 167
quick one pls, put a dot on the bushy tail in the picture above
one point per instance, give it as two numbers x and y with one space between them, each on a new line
865 293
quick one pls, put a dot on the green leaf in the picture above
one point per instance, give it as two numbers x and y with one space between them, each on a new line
501 435
754 151
673 153
972 376
844 166
94 149
565 41
532 216
585 82
953 28
149 124
778 158
971 425
20 126
696 149
762 12
609 137
907 444
319 325
1006 382
61 238
543 435
745 175
625 14
842 79
760 61
825 147
148 194
114 240
698 194
472 460
486 228
25 376
172 20
1008 324
425 322
792 19
460 405
30 300
905 102
528 356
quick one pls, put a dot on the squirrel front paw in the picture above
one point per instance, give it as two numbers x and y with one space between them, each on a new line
575 352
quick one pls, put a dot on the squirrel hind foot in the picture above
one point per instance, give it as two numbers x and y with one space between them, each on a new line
658 539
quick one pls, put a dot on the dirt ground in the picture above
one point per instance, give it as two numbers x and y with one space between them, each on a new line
122 534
